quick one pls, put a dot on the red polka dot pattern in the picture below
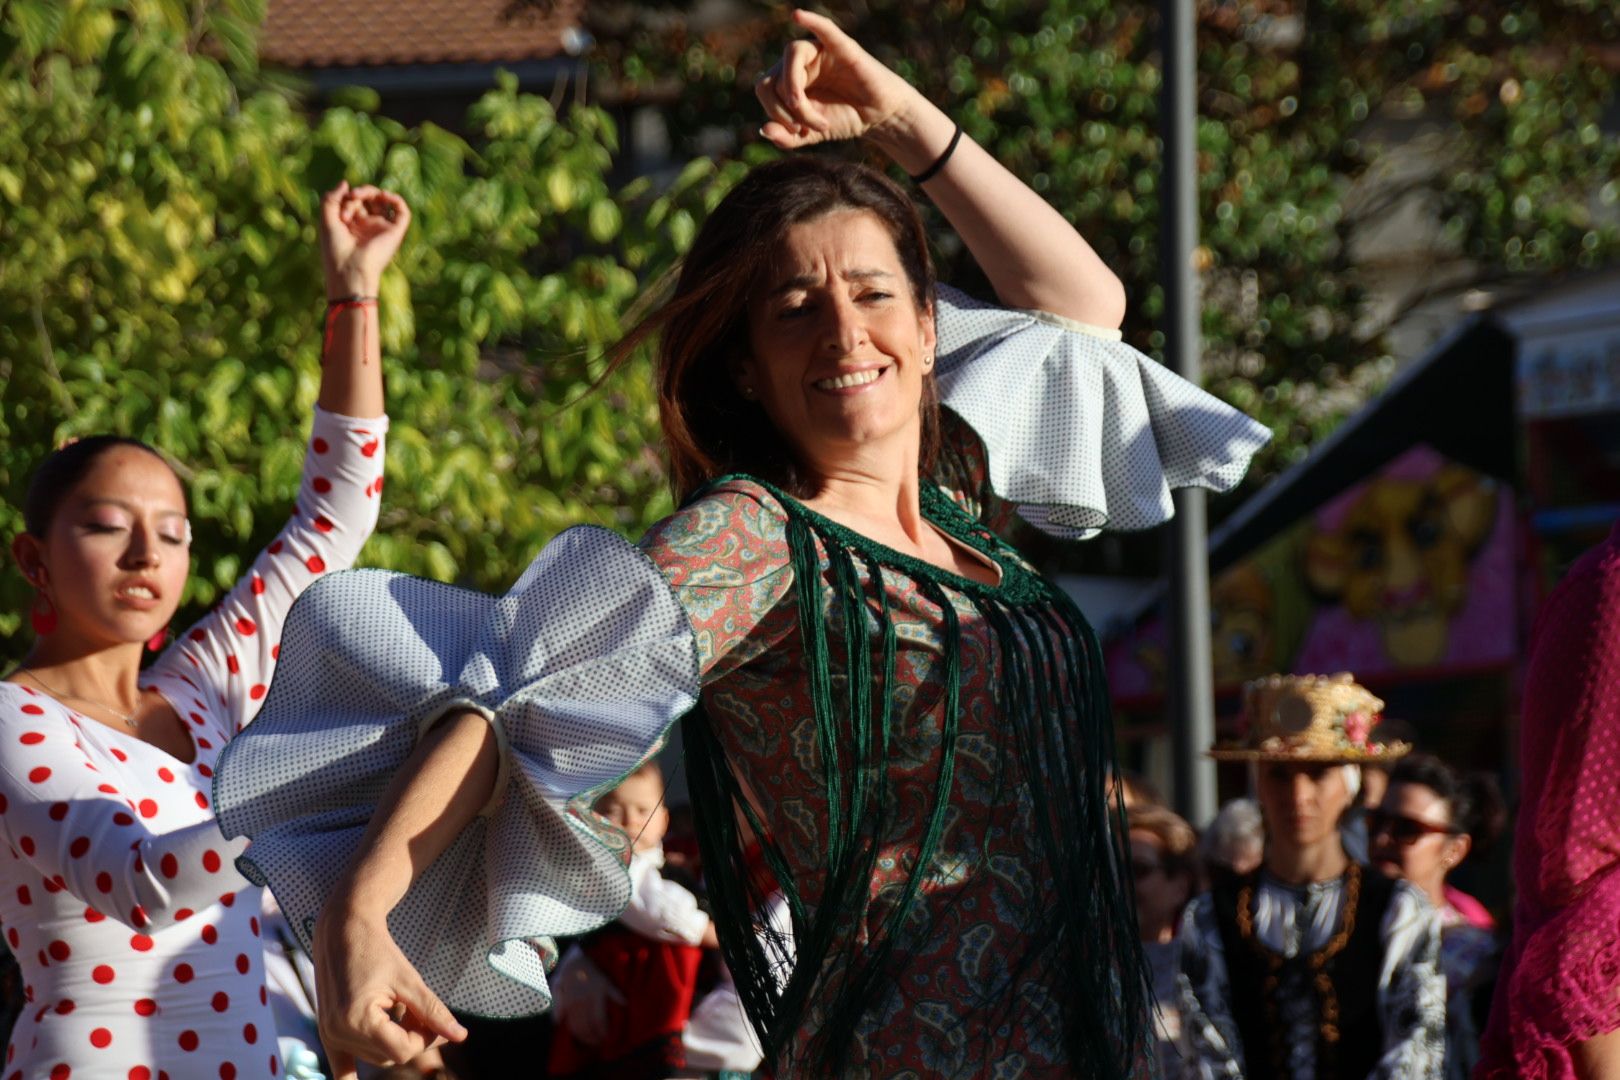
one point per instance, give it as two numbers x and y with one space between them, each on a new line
93 814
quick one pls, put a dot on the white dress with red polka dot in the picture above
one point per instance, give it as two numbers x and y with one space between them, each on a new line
137 938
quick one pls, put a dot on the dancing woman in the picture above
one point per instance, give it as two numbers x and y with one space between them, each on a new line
137 938
900 728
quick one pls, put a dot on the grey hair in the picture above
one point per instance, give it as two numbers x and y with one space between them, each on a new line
1235 830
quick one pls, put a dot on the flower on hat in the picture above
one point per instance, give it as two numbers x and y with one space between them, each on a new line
1357 726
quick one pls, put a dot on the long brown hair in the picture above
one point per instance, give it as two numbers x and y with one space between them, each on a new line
709 428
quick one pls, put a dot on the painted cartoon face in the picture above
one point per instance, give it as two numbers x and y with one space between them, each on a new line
1401 558
1241 612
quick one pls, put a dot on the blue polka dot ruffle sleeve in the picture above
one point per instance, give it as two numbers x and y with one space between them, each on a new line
1083 432
581 668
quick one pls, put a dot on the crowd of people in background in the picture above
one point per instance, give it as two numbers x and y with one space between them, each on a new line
1417 818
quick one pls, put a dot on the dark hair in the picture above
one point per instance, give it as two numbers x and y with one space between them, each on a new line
61 472
709 429
1390 729
1473 801
1178 839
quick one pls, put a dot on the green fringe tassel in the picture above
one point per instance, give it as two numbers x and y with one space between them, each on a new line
1086 949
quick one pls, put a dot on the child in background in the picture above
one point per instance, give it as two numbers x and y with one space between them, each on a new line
651 955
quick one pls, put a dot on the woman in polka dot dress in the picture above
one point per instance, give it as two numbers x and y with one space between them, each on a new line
137 939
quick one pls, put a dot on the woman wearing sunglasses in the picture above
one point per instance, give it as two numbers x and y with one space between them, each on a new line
1429 820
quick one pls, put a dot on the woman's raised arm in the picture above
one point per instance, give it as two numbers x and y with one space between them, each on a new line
361 229
829 88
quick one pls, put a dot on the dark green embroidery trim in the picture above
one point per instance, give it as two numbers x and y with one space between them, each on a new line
1018 584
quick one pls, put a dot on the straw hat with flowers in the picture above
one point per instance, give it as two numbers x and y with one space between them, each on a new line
1327 718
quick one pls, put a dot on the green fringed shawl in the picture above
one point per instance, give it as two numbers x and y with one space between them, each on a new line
1086 951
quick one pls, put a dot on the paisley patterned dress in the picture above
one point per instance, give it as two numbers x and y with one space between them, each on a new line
951 955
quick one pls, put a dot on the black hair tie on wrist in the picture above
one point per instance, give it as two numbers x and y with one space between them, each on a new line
939 162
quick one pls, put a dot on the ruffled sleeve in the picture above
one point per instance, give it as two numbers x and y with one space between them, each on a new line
581 668
1082 431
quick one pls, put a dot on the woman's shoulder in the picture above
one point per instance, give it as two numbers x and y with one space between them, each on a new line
732 503
736 524
741 494
19 700
31 719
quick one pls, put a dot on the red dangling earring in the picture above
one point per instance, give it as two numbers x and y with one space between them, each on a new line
43 614
156 642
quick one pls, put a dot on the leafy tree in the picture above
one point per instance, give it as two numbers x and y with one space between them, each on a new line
159 277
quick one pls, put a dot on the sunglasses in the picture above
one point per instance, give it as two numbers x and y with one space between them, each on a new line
1402 829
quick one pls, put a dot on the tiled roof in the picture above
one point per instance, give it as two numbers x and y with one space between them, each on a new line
376 33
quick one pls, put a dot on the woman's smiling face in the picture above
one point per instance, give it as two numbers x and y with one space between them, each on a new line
838 345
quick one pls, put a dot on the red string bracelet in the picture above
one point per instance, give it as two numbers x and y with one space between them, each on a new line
342 304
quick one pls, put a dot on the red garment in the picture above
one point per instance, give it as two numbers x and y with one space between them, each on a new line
1561 975
1472 911
658 981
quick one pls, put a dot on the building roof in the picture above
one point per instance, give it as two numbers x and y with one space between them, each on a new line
387 33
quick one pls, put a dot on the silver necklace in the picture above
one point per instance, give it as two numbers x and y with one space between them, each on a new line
127 718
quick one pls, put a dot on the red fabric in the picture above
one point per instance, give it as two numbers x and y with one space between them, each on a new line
1473 912
1560 980
658 981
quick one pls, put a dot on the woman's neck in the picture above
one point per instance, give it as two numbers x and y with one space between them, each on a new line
873 491
108 675
1304 864
1435 890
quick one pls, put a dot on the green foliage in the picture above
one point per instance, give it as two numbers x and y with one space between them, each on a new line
1300 106
159 277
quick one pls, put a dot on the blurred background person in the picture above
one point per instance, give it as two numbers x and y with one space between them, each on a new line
650 957
1164 863
1134 790
1310 966
1232 846
1422 831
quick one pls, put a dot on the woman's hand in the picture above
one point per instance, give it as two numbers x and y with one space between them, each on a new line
829 88
373 1005
361 229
